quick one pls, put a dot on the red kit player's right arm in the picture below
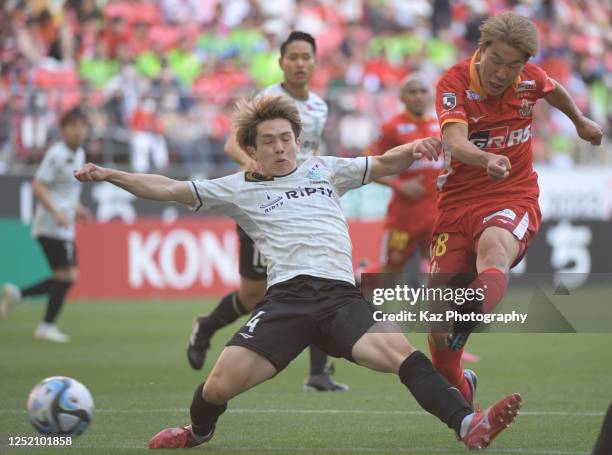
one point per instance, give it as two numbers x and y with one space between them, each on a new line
454 126
455 139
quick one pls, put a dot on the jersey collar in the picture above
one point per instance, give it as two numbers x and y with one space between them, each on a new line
282 86
251 176
475 84
276 177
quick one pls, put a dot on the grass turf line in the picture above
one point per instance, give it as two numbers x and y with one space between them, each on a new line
132 357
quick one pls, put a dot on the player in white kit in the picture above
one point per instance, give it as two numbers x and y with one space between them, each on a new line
298 62
293 214
53 226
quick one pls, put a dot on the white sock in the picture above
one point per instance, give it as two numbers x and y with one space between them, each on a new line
465 425
46 325
198 438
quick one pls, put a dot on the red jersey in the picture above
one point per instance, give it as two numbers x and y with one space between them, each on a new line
404 212
496 124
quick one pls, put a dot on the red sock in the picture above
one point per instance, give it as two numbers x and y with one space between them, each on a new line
494 283
447 362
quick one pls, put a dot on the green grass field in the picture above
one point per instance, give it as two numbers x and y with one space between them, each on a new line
131 355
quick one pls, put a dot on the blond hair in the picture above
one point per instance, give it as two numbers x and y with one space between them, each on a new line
509 28
250 113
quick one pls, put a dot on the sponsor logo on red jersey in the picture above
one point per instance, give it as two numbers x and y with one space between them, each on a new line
494 138
498 138
473 96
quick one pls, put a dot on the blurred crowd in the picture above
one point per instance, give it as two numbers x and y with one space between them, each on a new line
160 78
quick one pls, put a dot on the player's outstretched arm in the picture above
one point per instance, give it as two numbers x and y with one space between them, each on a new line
455 138
146 186
586 128
400 158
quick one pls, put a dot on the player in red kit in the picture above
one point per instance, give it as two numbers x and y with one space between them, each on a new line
488 193
412 209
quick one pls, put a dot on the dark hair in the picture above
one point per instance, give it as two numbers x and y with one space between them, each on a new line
298 36
73 115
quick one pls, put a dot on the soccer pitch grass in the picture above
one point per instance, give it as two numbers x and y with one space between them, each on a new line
131 355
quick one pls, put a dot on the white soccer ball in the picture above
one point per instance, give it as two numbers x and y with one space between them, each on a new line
60 405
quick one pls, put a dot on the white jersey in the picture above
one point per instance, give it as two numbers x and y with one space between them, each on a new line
296 221
313 115
64 191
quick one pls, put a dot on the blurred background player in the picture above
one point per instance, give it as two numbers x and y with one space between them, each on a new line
298 63
412 209
488 203
58 206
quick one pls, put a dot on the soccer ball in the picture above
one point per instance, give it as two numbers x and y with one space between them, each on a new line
60 405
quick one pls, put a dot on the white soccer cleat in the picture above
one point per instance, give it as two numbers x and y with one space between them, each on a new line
50 332
11 296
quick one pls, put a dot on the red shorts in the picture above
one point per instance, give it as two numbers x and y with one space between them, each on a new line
456 233
399 244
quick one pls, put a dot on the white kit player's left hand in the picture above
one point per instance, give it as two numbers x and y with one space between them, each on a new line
91 173
430 148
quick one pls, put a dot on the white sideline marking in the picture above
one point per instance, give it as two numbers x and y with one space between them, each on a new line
353 450
315 411
393 450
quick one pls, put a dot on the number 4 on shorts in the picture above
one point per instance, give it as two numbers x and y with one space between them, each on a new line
251 323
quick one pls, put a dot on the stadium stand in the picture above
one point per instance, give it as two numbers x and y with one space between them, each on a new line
164 78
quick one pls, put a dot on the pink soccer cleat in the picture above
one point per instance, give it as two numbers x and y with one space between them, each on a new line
487 424
469 357
177 438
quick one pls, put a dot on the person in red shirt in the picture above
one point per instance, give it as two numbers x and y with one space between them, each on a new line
488 192
412 209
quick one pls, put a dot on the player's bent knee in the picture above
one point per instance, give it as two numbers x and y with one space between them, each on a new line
74 276
251 292
69 275
249 303
395 350
216 390
497 248
495 256
398 347
382 351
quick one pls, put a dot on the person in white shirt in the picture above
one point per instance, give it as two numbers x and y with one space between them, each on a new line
53 226
298 63
294 216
